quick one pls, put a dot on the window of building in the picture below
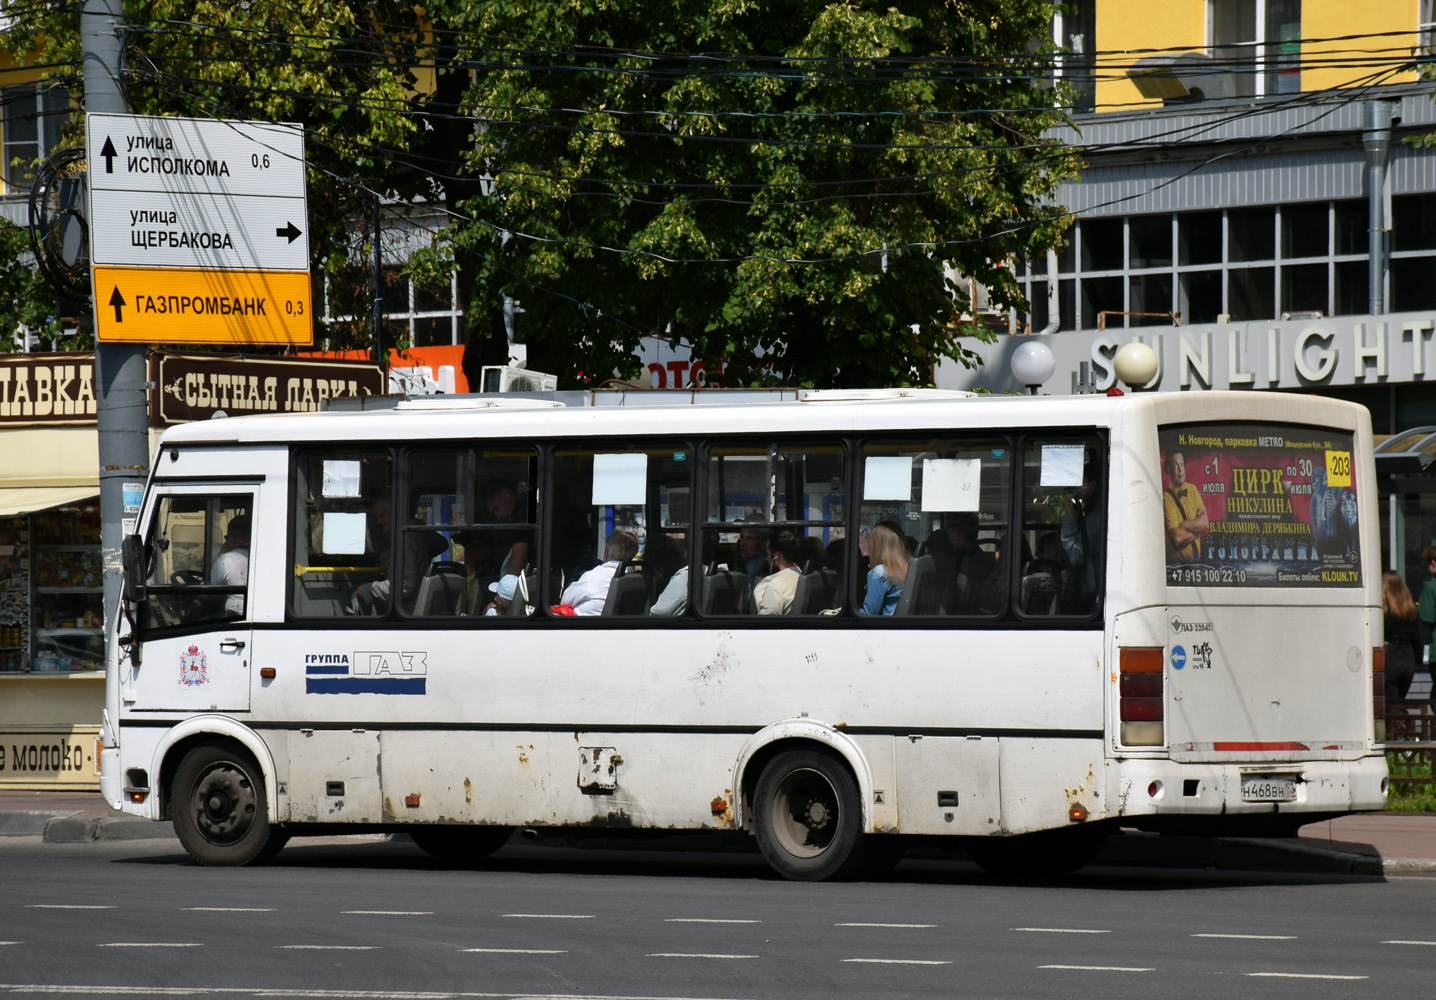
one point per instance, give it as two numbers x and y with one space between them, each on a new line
1250 264
29 129
1259 41
1426 24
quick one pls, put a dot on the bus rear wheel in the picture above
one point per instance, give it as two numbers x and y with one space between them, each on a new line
808 817
220 809
460 844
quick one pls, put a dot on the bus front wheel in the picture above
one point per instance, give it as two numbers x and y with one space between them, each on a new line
808 817
219 807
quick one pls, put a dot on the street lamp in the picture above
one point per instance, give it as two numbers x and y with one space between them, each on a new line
1135 364
1032 364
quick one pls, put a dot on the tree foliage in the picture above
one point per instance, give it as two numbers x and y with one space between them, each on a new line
785 186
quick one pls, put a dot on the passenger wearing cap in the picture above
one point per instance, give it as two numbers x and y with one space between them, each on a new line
503 590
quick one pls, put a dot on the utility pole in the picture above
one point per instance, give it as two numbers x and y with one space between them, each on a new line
121 406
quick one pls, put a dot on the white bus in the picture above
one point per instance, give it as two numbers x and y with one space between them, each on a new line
840 622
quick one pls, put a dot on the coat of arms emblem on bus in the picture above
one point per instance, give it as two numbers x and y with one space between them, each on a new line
194 667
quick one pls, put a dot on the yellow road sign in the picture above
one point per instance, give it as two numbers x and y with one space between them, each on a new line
178 306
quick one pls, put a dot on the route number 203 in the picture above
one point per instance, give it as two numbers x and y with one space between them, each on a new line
1338 468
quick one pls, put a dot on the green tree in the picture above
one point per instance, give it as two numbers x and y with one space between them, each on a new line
730 173
778 184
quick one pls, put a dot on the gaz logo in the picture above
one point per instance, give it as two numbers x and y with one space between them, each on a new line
367 671
1179 657
379 663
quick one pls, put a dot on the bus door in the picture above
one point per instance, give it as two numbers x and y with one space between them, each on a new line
194 623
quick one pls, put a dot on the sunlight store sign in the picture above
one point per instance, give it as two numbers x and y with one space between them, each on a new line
1345 351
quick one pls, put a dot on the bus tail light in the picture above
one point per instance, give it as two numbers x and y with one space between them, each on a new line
1141 700
1378 692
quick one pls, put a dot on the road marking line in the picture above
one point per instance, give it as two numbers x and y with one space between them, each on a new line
228 909
389 913
549 916
706 920
64 906
1251 937
328 947
1299 975
1433 943
679 954
328 994
4 943
1097 968
1058 930
896 961
514 951
151 944
884 925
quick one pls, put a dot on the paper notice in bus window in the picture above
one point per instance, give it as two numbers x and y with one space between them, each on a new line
1062 465
341 478
951 484
1259 505
887 478
343 533
619 479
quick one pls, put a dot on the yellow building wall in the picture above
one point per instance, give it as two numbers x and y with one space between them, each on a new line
1335 18
1125 28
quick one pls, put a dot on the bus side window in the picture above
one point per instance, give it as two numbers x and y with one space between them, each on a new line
774 540
934 527
342 510
470 548
1064 525
620 530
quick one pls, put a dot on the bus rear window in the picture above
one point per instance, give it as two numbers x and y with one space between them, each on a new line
1259 505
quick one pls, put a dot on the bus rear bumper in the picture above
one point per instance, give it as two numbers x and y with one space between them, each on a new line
1152 788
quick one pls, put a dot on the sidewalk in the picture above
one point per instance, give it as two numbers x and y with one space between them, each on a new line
1364 844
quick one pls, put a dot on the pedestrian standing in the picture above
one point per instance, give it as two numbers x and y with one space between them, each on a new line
1427 612
1403 640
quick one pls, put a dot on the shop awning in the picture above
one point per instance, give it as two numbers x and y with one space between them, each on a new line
16 500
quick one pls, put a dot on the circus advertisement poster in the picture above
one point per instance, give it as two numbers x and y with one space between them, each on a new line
1259 505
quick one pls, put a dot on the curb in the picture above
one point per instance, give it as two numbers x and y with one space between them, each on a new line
26 823
75 829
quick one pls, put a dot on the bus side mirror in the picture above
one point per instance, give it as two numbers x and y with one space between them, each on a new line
132 556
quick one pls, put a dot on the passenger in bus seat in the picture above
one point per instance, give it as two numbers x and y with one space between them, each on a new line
753 553
231 568
888 551
587 594
975 565
773 595
1081 535
667 560
420 547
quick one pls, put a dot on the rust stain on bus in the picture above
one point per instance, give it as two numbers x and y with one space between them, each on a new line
468 792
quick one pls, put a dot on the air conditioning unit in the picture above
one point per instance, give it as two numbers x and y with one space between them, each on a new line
497 378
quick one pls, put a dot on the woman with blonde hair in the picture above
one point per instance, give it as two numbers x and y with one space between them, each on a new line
1403 636
888 551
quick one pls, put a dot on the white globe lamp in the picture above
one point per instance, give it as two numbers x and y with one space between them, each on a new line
1135 364
1033 364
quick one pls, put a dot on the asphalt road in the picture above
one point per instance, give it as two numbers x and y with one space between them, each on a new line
378 919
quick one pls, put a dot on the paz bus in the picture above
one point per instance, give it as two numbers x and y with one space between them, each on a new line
592 612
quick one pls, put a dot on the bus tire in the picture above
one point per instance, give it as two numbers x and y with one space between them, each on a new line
459 845
807 817
220 809
1045 854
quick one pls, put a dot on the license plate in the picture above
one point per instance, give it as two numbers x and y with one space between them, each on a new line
1268 789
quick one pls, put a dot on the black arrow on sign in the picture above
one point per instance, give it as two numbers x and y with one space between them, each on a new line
109 153
117 300
290 230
